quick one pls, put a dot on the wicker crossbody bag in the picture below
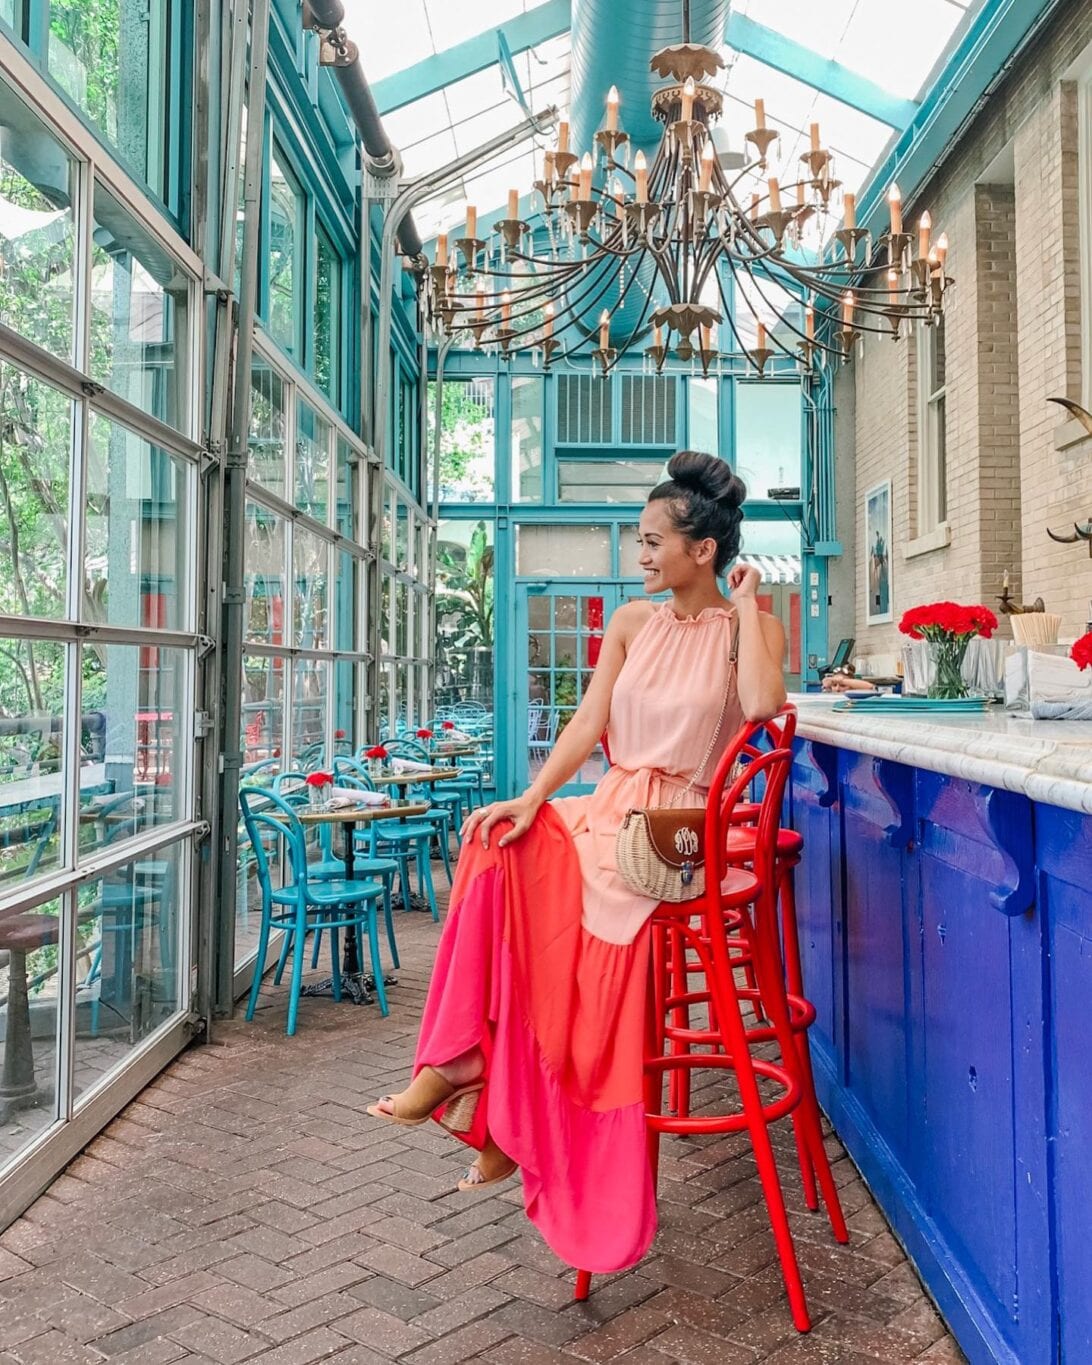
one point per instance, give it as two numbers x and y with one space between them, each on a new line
660 850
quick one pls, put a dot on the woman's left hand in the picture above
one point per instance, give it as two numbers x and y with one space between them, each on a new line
743 582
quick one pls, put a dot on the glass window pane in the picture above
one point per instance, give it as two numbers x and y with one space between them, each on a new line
128 938
30 1019
139 299
310 702
607 480
464 612
527 407
768 432
311 584
401 538
112 59
327 315
348 490
285 212
266 444
401 616
137 560
387 529
386 631
346 676
563 551
263 710
35 439
264 559
132 693
312 463
32 758
37 229
702 415
345 601
467 453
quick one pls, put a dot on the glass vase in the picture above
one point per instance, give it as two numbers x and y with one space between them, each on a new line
318 797
947 659
375 768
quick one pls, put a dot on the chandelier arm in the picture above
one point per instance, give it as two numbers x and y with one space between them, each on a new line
818 345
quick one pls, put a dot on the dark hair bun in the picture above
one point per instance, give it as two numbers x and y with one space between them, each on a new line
707 476
705 500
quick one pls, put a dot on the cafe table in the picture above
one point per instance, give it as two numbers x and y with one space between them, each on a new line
355 985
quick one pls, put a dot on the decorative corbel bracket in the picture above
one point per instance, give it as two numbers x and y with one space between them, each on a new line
996 809
895 784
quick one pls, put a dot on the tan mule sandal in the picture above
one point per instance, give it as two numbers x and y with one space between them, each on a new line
425 1094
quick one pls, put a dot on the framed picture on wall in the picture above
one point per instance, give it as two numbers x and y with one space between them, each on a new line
877 542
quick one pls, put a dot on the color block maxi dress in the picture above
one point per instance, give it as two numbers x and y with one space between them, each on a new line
543 959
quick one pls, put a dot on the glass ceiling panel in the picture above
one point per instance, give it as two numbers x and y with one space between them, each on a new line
434 130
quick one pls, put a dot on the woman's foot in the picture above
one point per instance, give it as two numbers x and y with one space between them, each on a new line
491 1167
432 1087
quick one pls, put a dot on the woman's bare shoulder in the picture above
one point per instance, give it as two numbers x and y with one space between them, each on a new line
630 617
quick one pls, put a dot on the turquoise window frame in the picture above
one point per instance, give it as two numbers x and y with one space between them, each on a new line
173 197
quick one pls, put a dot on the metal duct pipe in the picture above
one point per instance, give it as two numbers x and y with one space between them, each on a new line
613 42
382 159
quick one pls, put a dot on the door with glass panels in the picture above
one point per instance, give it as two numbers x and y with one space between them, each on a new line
559 633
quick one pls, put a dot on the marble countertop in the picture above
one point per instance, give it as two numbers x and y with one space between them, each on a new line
1048 761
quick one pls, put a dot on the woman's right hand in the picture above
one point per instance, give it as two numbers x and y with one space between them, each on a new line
521 811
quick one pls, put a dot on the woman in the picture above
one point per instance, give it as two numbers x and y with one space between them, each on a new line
533 1029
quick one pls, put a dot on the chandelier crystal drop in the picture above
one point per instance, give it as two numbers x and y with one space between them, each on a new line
661 241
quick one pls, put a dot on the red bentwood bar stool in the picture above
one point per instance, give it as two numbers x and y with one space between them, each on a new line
712 936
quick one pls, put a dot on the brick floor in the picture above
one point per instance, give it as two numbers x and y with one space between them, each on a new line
245 1208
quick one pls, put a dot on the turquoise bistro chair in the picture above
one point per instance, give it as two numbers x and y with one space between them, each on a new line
304 904
399 839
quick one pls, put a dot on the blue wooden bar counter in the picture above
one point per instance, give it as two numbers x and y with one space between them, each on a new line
945 912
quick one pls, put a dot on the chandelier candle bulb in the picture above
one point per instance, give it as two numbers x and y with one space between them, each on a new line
548 325
548 170
894 201
706 337
513 205
657 335
815 147
708 156
441 249
585 175
612 110
688 92
809 322
761 336
847 309
942 249
849 202
893 284
754 207
471 222
604 330
640 168
775 195
563 136
925 228
760 115
506 307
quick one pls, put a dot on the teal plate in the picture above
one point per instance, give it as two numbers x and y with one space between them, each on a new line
913 705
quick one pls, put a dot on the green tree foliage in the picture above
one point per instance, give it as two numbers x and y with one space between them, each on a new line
466 443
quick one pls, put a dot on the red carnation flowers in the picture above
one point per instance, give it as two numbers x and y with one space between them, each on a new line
377 752
320 779
948 620
424 734
449 725
1081 652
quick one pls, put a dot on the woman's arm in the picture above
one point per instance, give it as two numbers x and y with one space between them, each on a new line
577 741
759 676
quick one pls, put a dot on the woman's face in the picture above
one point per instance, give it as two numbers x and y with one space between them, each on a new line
669 560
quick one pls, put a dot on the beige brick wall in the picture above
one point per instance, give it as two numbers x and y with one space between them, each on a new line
1013 340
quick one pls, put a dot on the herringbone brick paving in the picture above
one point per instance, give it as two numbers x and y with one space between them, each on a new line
245 1208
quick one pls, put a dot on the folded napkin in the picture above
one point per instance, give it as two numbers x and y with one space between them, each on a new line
456 737
1058 689
409 765
356 796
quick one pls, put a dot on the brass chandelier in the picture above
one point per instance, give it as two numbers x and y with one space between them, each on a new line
611 232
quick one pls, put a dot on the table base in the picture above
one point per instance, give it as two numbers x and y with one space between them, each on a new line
416 902
357 987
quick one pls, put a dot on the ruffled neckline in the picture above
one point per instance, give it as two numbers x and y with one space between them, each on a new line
706 614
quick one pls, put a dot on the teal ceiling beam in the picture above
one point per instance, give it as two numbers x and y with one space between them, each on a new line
538 25
792 59
984 53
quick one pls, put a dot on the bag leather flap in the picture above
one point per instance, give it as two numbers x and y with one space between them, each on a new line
677 835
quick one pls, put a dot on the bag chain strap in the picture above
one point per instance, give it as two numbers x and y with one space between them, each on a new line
720 722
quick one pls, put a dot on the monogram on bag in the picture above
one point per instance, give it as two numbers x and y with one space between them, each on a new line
660 851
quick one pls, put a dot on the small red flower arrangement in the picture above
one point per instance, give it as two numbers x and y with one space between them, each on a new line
948 627
1081 652
377 751
424 734
320 779
449 725
339 734
940 620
